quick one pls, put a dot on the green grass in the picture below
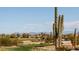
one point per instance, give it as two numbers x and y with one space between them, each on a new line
22 48
29 47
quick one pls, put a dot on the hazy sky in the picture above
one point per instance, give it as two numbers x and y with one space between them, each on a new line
35 19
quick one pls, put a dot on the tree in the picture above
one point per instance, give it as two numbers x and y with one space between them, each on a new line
18 34
24 35
13 36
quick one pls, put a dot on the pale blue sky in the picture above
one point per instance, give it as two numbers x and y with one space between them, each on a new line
35 19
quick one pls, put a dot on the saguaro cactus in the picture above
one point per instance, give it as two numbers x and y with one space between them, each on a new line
61 28
62 23
58 29
75 38
55 28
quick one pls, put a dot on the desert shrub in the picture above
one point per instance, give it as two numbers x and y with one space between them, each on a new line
25 35
6 41
49 39
13 36
14 41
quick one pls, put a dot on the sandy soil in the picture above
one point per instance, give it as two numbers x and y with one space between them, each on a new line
46 48
6 48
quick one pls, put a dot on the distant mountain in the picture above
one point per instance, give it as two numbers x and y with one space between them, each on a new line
67 32
38 32
32 33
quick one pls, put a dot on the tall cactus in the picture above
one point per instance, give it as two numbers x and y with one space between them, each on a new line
61 28
75 38
62 23
58 29
54 33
